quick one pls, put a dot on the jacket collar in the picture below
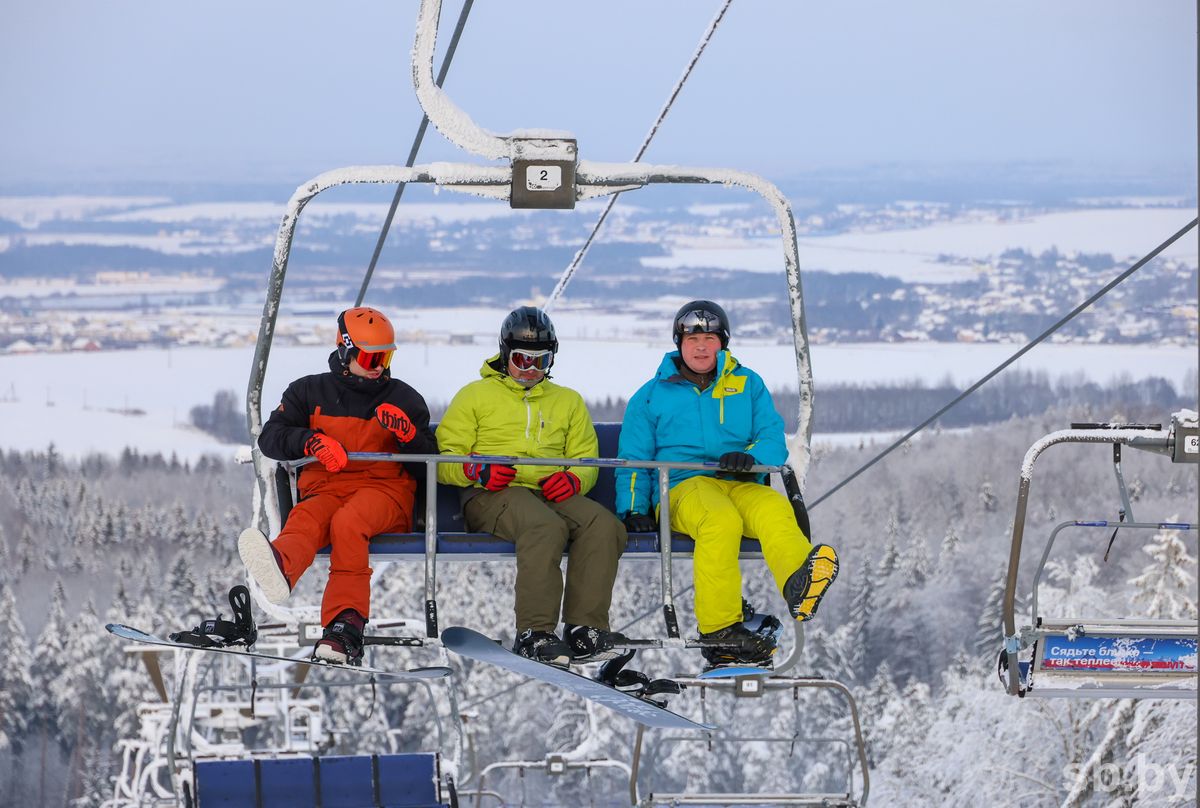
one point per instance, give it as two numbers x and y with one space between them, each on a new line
352 382
668 371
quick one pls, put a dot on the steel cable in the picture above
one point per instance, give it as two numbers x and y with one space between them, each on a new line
569 272
412 153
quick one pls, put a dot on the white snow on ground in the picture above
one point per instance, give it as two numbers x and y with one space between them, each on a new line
32 211
178 243
70 398
912 254
244 212
153 285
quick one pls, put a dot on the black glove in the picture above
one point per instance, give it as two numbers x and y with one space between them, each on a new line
735 461
640 523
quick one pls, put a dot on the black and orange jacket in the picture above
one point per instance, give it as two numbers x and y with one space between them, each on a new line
342 406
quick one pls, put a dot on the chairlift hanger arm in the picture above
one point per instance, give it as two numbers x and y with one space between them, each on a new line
473 177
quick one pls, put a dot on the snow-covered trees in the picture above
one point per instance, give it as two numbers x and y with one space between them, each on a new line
912 626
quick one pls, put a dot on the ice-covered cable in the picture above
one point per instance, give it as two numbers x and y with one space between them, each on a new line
996 370
569 272
412 153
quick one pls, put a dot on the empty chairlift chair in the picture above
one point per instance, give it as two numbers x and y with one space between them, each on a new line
1095 657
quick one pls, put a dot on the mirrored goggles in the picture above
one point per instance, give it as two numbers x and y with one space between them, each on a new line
531 360
698 321
369 360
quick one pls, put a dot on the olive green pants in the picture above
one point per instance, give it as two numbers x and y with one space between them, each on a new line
542 531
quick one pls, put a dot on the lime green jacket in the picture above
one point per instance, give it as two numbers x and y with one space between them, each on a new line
497 416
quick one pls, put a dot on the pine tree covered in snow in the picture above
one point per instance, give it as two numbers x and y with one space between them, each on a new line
1166 588
16 687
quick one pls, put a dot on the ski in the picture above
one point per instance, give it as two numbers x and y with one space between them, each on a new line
473 645
136 635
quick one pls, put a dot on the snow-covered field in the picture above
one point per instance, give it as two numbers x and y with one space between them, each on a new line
75 399
913 254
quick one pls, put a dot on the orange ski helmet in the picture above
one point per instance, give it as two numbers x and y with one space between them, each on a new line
366 335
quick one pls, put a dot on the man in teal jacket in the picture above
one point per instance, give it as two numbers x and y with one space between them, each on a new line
515 410
701 406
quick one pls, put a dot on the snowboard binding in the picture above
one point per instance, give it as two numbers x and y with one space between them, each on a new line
614 674
220 633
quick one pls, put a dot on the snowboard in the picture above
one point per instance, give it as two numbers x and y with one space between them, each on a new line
473 645
128 633
733 672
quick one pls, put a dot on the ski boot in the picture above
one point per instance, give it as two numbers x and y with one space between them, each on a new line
223 633
543 646
807 585
263 563
592 644
342 642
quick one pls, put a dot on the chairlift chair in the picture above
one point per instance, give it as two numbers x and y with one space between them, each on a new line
758 687
1091 657
543 171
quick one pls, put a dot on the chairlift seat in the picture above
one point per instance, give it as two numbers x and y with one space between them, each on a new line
455 543
354 781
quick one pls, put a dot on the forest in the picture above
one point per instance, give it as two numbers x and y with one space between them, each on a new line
912 627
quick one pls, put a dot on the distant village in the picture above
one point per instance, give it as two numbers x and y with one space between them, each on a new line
93 295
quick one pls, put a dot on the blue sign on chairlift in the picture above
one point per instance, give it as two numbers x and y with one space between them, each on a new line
1119 654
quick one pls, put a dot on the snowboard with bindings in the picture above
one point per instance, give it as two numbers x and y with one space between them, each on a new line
415 674
473 645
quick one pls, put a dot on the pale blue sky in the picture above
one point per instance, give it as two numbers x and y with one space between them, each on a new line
145 89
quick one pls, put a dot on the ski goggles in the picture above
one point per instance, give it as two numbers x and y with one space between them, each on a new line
531 360
369 360
699 322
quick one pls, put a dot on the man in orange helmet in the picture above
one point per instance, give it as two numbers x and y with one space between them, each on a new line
356 407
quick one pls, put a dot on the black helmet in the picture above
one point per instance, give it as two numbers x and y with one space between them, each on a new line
527 328
701 317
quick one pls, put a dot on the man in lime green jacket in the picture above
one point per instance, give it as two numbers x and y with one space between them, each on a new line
515 410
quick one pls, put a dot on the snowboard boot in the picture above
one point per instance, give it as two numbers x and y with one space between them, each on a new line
342 642
807 585
737 645
264 564
543 646
592 644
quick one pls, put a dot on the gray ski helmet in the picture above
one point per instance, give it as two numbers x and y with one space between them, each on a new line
701 317
527 328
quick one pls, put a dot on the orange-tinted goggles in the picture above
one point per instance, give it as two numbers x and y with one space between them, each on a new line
369 360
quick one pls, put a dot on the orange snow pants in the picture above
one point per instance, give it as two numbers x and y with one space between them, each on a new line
344 513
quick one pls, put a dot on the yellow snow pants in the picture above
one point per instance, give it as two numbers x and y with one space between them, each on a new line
716 514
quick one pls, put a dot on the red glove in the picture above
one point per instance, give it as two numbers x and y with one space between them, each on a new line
492 477
560 486
330 453
396 421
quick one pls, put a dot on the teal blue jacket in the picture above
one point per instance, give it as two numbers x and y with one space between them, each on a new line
669 418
